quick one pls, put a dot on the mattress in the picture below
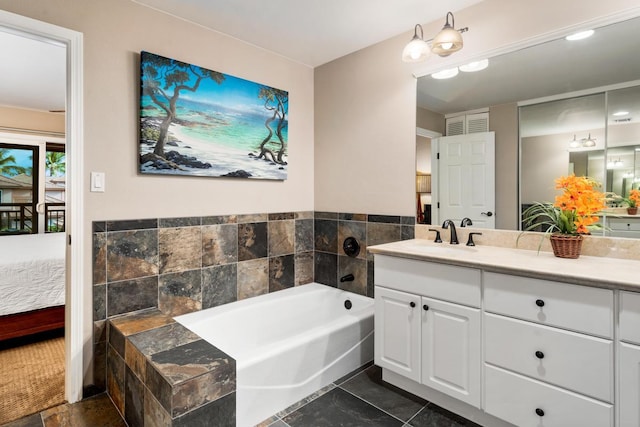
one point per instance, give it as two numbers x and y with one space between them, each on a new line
32 272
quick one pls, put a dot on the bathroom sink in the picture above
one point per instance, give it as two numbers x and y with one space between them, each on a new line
427 247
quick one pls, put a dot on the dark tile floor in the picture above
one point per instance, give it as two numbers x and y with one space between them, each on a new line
357 400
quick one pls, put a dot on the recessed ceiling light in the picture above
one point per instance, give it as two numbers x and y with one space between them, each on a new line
620 113
579 36
475 66
445 74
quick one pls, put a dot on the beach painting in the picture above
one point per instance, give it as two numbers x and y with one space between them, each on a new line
200 122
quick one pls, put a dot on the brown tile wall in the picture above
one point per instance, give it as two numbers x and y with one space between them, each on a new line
330 260
180 265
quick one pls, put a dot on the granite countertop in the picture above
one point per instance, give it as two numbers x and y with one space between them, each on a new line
602 272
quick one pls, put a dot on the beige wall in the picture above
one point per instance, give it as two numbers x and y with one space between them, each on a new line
365 109
427 119
41 121
115 31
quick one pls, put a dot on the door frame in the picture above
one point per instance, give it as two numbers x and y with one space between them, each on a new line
75 295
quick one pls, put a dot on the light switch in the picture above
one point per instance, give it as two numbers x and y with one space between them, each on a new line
97 182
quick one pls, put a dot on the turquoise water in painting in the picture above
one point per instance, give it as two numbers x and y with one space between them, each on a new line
220 125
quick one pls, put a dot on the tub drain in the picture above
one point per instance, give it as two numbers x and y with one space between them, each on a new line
348 305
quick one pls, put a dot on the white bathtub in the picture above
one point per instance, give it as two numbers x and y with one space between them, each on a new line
287 344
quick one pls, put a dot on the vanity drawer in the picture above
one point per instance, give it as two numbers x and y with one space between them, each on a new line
630 317
459 285
578 362
515 399
575 307
624 224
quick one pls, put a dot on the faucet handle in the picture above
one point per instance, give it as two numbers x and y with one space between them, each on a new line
466 221
470 241
438 239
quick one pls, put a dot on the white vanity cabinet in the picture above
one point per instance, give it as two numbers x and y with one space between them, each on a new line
629 360
549 356
427 325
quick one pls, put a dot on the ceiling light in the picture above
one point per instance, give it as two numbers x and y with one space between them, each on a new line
589 142
579 36
446 42
417 49
620 113
445 74
475 66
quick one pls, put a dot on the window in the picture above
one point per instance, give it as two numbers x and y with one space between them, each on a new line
32 188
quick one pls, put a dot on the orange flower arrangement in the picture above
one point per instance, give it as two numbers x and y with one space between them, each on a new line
573 211
633 199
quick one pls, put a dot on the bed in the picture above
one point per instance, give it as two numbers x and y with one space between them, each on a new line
32 284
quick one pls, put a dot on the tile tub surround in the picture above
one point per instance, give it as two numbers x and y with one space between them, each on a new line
180 265
161 374
331 262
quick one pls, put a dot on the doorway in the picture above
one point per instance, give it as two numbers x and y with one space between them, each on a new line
77 331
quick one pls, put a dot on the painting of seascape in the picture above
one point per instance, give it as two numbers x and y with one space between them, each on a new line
200 122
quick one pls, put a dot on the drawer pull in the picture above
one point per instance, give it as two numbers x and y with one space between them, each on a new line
539 303
539 412
539 355
412 304
425 307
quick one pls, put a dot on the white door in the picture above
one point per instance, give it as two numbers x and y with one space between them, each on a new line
451 349
466 178
397 332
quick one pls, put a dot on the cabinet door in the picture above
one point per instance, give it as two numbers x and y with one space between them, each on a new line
451 349
397 332
629 385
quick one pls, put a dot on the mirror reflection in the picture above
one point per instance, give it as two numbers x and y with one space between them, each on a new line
551 108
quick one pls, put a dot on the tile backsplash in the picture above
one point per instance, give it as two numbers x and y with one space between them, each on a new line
180 265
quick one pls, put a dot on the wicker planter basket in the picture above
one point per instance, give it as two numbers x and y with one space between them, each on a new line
632 211
566 245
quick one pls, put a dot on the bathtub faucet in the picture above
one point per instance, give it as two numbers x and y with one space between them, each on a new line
347 278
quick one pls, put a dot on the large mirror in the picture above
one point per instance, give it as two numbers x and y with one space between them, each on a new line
536 100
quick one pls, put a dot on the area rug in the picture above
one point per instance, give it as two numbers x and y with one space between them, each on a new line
32 378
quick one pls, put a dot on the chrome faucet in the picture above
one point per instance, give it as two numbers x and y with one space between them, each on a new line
466 221
453 235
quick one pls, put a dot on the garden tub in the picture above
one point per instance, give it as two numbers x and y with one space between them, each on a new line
287 344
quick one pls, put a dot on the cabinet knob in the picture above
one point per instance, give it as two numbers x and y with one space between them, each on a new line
539 412
539 355
539 303
412 304
425 307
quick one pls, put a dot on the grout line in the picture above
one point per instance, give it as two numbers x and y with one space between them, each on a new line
371 404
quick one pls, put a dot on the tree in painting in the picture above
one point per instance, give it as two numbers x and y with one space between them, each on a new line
275 100
163 79
199 122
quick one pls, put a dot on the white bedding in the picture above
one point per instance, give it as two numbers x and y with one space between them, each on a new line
32 272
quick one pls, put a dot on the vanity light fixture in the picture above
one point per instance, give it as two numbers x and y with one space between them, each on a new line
579 35
417 49
574 143
446 42
613 164
589 142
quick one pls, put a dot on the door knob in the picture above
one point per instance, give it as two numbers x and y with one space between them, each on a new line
487 213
